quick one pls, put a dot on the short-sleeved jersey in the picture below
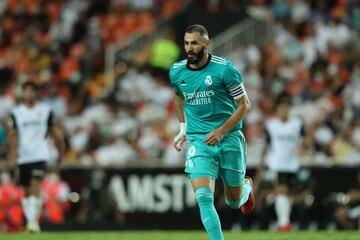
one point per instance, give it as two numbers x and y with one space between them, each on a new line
32 126
209 93
283 139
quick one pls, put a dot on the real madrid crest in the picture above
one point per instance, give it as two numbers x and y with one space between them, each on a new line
208 80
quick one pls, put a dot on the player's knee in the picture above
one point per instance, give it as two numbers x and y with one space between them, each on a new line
204 195
234 204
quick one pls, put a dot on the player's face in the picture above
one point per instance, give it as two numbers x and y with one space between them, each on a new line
283 110
29 94
195 47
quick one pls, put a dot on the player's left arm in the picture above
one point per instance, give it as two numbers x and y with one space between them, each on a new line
243 106
234 83
57 135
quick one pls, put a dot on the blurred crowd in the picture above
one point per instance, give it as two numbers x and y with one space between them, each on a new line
312 54
60 45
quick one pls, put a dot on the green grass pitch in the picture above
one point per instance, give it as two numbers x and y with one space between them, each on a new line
181 235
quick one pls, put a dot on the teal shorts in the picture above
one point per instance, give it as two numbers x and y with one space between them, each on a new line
227 159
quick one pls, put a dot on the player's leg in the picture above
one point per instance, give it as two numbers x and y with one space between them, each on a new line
23 178
35 189
237 189
30 178
283 204
202 166
204 193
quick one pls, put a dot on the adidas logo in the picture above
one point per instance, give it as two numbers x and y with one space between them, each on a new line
183 83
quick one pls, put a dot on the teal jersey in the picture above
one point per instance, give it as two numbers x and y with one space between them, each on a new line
208 93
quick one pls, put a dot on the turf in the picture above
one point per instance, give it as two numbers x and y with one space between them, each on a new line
177 235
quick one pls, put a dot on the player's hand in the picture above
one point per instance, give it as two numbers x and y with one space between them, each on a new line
180 139
214 137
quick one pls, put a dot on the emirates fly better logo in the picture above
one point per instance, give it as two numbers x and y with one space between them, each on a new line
208 80
200 97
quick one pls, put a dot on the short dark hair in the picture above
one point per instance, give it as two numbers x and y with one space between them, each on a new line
30 84
198 28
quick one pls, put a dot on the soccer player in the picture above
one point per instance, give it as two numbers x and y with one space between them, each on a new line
31 124
280 155
211 102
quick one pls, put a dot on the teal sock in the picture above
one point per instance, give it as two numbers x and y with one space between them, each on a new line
209 216
235 204
245 193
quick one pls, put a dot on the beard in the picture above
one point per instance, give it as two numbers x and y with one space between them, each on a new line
197 56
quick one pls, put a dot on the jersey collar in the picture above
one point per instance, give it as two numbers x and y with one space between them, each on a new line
198 69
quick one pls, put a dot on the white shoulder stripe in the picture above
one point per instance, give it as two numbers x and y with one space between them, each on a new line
222 63
180 63
219 58
176 66
213 60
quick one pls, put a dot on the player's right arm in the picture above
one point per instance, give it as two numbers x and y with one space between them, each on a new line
181 137
12 141
179 104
